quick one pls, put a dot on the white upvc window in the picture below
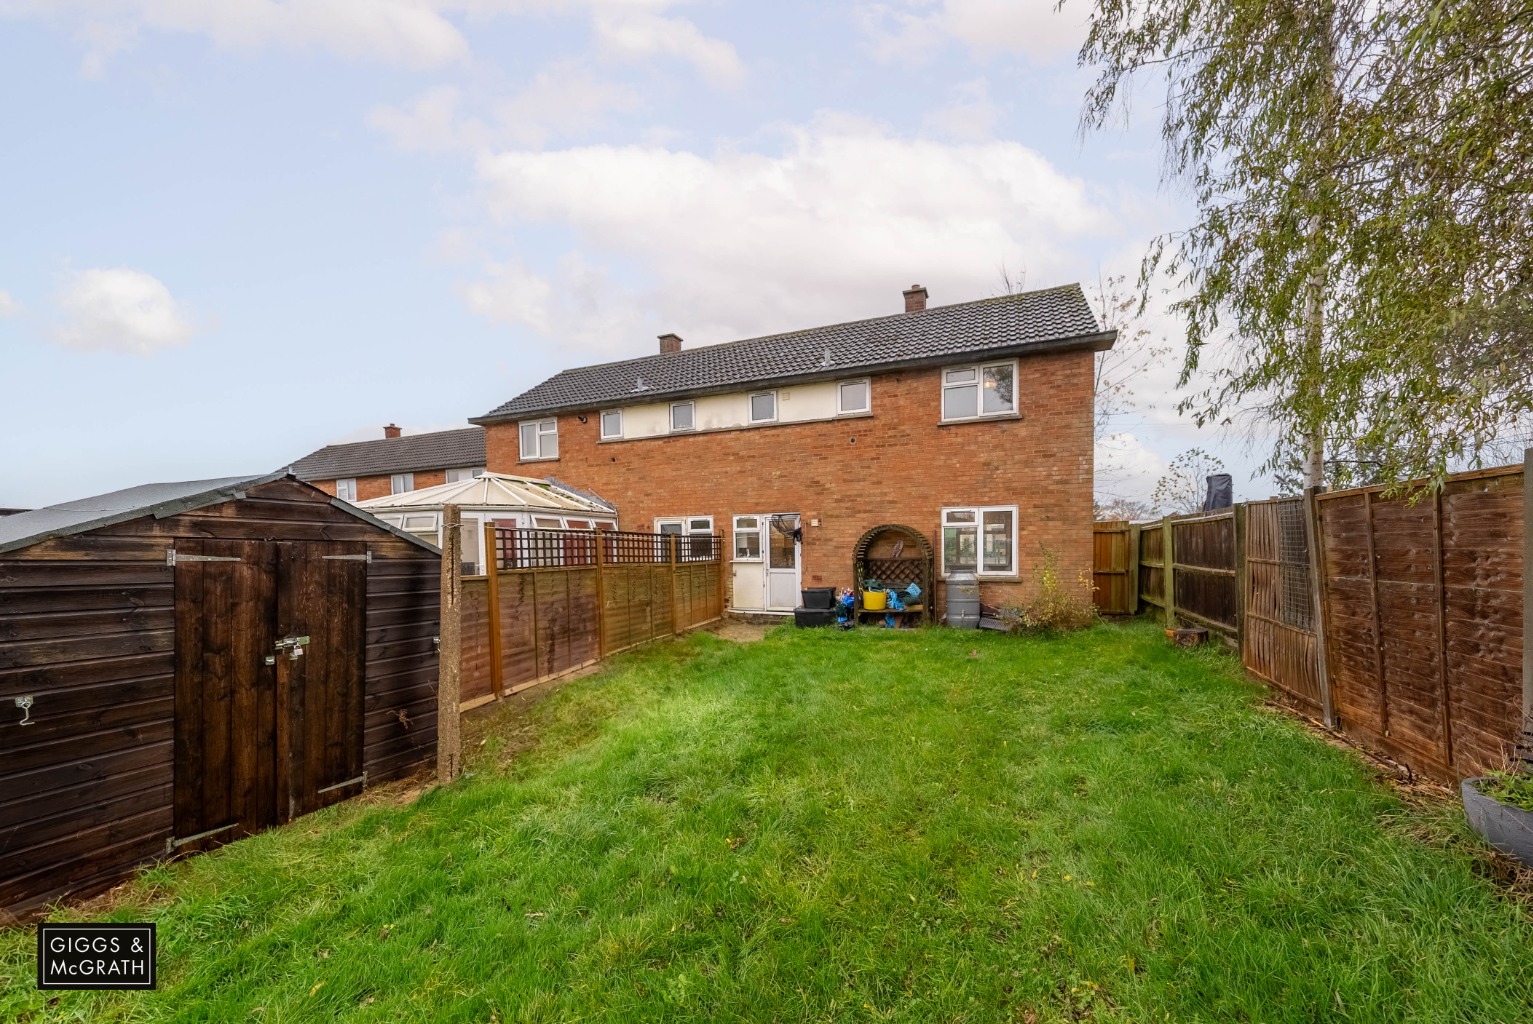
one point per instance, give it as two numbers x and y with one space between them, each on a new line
854 396
455 476
698 528
764 407
399 483
611 424
981 539
683 416
983 389
346 489
747 538
540 439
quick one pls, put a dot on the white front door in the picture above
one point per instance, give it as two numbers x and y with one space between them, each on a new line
784 563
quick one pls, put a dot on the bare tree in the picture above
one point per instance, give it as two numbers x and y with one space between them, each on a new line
1184 485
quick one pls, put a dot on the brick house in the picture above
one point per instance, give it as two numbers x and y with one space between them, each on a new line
393 464
971 423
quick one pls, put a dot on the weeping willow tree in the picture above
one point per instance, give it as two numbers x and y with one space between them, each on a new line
1363 177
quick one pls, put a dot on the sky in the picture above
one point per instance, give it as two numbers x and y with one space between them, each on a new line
233 232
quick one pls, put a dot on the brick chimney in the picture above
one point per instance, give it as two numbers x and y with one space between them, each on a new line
669 344
391 431
915 298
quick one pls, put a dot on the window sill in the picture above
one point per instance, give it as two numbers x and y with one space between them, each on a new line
991 418
989 578
549 458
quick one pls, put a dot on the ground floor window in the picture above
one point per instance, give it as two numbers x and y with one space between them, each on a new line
699 530
980 539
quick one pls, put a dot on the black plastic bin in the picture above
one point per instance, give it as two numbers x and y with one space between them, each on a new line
820 597
805 618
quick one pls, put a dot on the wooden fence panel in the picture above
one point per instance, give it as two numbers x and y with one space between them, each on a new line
1112 587
1423 595
1152 580
1279 644
1203 560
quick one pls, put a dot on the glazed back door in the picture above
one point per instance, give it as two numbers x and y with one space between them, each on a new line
321 598
225 717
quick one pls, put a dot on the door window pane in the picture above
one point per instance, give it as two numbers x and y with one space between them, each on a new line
998 546
671 527
782 552
998 390
748 544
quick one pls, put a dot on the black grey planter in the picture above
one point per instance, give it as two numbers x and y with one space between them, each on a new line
1509 829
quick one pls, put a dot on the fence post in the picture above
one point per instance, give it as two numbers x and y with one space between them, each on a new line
601 596
1527 589
449 740
675 619
1133 569
718 561
1317 598
492 592
1167 557
1240 578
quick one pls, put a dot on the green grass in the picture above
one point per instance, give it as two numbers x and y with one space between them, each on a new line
929 826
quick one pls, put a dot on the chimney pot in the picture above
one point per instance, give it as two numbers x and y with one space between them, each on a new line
915 298
391 431
670 344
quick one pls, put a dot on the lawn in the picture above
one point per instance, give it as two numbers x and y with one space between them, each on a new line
923 826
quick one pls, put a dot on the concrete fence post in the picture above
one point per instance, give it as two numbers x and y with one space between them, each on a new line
449 740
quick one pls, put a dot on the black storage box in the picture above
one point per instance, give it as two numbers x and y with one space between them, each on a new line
818 598
804 618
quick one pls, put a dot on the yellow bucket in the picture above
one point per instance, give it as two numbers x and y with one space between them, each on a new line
874 600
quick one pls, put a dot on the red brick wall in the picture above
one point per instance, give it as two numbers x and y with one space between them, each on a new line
378 486
902 468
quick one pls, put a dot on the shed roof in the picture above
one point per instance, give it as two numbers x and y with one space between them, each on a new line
495 491
442 449
160 500
1046 320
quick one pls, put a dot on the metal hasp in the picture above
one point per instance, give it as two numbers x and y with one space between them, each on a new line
293 645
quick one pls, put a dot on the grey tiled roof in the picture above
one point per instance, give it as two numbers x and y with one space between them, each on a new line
443 449
1052 318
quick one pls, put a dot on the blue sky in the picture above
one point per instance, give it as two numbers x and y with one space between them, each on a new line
236 231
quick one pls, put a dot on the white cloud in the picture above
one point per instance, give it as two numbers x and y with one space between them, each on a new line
119 310
913 28
639 34
970 116
565 99
409 32
8 305
726 245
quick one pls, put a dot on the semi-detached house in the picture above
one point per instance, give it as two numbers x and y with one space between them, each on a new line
971 423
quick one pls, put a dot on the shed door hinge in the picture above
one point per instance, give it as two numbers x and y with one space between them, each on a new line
368 558
173 558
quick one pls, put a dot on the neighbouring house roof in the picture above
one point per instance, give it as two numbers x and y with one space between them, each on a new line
1047 320
442 449
494 491
160 500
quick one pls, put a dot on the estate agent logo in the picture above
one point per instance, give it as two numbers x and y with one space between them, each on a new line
95 956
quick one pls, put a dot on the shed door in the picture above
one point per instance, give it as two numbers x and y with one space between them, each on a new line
225 737
264 734
321 595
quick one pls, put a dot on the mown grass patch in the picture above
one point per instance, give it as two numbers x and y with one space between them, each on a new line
872 826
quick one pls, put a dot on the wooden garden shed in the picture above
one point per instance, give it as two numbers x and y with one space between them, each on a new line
183 664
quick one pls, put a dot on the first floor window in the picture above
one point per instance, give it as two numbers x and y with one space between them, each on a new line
682 416
747 538
540 439
611 424
969 392
455 476
981 540
346 489
764 407
852 396
399 483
